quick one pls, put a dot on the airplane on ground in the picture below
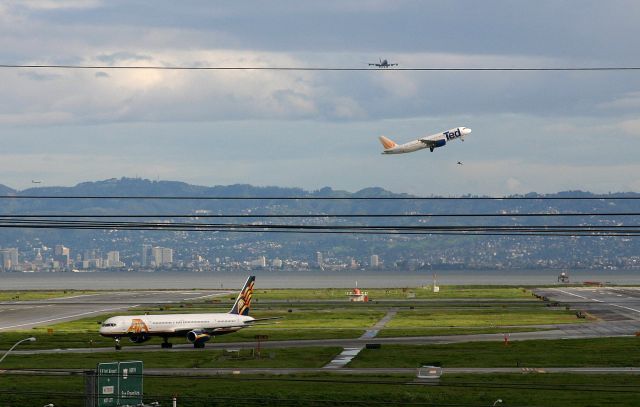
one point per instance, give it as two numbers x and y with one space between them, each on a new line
36 182
430 142
383 64
197 328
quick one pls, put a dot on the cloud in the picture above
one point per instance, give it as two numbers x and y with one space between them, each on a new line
626 101
630 127
55 4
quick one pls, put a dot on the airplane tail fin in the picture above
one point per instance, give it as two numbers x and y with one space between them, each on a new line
243 302
386 143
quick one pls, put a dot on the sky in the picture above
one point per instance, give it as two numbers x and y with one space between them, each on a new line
532 131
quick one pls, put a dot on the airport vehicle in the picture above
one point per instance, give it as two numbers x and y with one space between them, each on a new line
197 328
430 142
383 64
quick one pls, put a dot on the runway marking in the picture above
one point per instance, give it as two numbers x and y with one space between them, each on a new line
203 296
596 300
65 317
75 296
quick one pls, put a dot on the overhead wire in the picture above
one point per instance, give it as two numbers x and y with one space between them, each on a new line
321 68
325 198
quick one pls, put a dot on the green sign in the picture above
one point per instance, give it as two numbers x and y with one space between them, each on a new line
107 384
130 385
119 384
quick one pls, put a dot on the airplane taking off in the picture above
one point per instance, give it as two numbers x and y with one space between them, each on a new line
198 328
383 64
430 142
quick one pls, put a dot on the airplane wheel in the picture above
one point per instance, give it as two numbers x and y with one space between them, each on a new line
166 345
198 345
118 347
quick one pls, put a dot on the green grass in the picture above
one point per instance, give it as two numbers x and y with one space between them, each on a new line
601 352
446 292
482 317
39 295
440 331
276 358
552 390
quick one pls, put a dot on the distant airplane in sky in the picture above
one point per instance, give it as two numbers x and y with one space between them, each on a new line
197 328
430 142
459 162
383 64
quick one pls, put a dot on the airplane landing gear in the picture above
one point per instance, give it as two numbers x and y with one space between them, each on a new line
166 344
118 345
431 148
198 345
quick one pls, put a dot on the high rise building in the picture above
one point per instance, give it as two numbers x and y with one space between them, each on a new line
113 259
375 261
62 255
146 255
162 255
9 259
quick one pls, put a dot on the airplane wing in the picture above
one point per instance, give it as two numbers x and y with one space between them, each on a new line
261 319
429 142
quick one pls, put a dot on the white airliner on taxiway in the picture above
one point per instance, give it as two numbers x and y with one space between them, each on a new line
430 142
197 328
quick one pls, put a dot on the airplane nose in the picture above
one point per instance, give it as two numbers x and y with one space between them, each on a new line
465 131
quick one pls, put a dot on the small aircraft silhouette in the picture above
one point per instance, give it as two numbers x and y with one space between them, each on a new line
460 163
36 182
383 64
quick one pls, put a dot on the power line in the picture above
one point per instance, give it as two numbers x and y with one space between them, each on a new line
324 198
334 69
325 215
506 230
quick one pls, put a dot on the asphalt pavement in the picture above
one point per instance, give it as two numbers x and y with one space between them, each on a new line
20 315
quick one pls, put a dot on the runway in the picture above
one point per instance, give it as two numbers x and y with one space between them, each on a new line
617 310
21 315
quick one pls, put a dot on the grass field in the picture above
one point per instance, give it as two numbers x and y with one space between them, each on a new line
39 295
446 292
329 320
551 390
308 324
468 317
280 358
602 352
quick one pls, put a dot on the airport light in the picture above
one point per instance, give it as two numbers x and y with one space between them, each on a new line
30 339
499 401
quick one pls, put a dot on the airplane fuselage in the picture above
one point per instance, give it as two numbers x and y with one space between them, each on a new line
168 325
430 142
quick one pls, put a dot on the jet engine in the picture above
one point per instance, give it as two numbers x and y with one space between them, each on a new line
440 143
196 336
139 338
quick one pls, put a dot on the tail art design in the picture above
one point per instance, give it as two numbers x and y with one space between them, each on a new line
386 143
243 302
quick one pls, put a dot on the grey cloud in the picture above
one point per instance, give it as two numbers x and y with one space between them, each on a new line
122 56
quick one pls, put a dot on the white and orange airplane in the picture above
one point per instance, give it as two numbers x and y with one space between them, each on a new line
197 328
430 142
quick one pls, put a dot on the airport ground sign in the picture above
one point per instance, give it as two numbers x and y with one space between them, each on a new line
119 384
